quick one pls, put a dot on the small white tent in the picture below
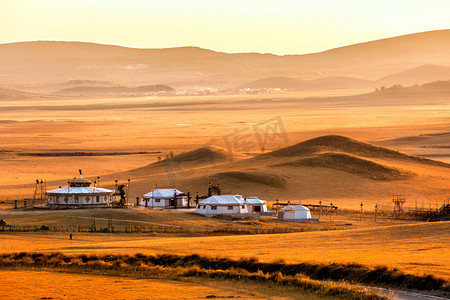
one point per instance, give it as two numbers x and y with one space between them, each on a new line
221 205
294 213
256 205
164 198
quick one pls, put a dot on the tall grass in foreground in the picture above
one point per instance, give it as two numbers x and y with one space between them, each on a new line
309 277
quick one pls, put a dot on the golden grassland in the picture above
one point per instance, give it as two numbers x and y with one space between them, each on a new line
413 248
26 284
277 274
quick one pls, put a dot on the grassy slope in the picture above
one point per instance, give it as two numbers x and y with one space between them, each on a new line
350 164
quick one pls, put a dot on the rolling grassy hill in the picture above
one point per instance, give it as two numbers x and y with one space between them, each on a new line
419 75
329 168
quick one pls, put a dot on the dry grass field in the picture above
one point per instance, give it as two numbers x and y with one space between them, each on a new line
414 248
34 285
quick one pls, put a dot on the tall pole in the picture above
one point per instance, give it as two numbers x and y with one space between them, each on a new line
361 211
276 210
376 210
331 207
320 208
128 190
42 192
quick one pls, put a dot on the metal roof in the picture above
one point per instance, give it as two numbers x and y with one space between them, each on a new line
162 193
255 200
222 200
80 190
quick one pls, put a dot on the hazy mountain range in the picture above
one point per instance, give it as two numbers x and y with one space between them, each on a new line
44 66
418 75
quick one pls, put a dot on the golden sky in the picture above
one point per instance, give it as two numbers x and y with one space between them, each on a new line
275 26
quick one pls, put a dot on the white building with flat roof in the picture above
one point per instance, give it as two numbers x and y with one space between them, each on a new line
163 198
222 205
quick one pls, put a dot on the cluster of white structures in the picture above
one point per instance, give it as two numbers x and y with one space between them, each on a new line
214 205
81 193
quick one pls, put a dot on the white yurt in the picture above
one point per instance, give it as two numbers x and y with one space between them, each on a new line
221 205
164 198
295 212
256 205
80 193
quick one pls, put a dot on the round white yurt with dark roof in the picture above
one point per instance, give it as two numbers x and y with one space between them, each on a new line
80 193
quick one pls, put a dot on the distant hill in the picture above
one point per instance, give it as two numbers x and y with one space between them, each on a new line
341 144
10 94
201 157
321 83
50 62
334 143
427 89
351 164
211 155
340 82
87 82
114 91
276 83
386 56
418 75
